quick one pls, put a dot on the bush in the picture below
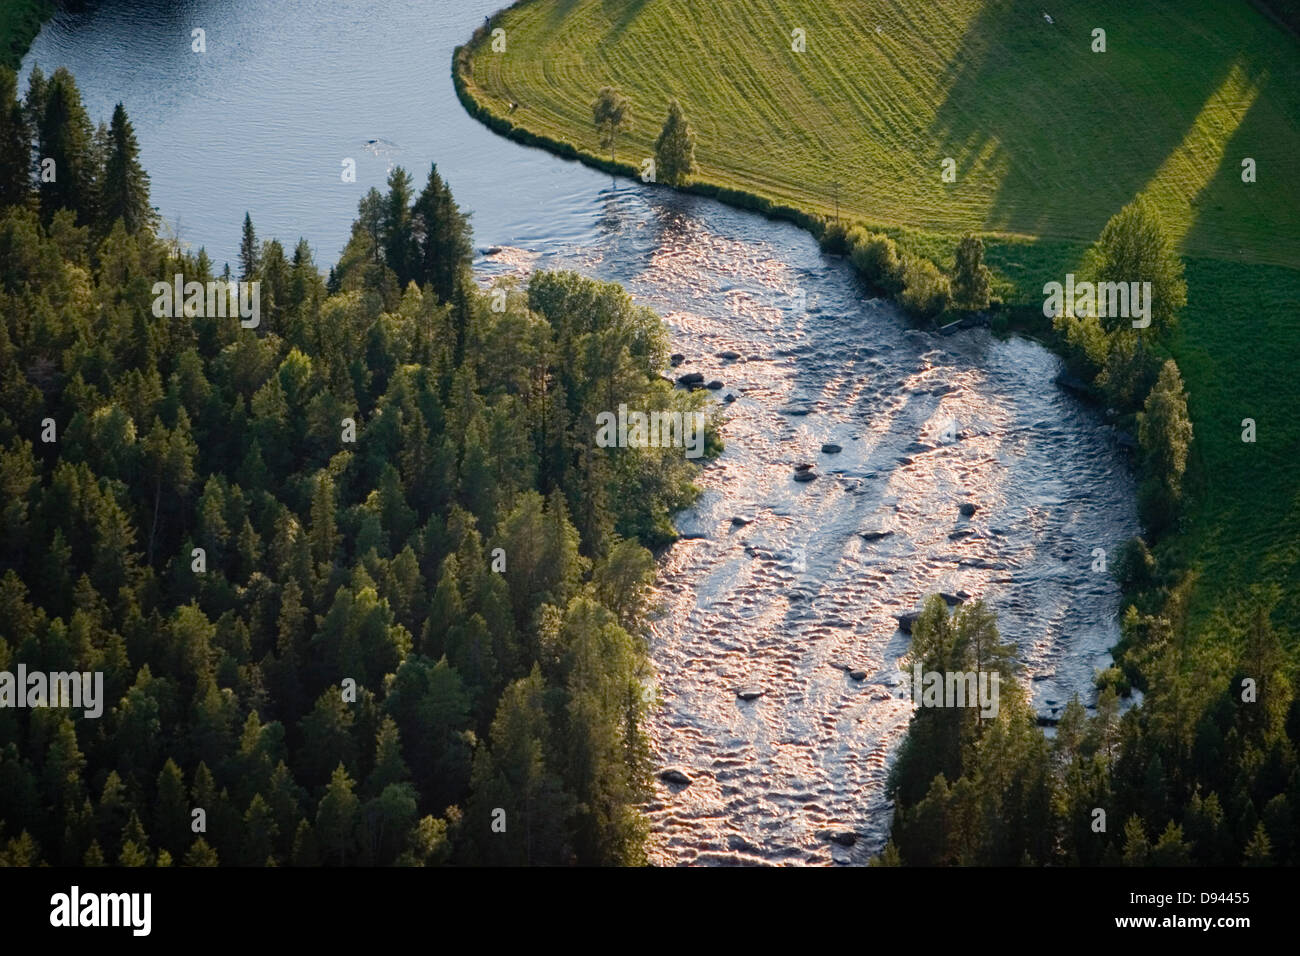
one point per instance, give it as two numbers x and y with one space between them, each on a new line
1135 567
876 257
972 280
926 290
834 239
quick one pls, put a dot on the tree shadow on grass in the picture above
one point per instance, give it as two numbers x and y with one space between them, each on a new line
1087 131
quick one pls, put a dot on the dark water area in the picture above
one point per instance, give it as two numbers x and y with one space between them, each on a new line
772 588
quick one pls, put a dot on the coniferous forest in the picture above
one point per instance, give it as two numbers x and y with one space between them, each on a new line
358 578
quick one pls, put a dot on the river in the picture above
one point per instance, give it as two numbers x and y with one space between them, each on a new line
772 588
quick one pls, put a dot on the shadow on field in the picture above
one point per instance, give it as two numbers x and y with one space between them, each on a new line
621 13
1069 136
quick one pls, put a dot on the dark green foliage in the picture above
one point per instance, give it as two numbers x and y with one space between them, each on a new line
124 193
972 280
352 677
1158 774
67 153
675 148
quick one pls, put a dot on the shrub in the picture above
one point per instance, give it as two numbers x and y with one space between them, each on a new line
1135 567
972 280
834 238
876 257
926 290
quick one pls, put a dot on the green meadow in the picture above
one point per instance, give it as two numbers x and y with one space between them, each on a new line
1049 140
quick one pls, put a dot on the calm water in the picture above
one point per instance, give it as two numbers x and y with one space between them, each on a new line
793 598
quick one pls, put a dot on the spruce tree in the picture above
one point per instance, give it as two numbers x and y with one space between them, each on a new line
15 144
443 238
67 139
249 259
125 191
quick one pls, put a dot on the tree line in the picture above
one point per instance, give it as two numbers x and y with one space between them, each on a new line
426 645
1204 770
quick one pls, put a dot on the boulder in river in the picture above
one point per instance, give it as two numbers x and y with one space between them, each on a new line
830 448
967 508
858 674
842 837
803 466
750 693
906 620
805 475
675 777
714 385
875 534
741 520
728 398
729 356
952 600
677 358
1074 384
691 378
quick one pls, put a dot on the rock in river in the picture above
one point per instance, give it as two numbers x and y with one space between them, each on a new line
906 620
830 448
805 475
750 693
675 777
967 508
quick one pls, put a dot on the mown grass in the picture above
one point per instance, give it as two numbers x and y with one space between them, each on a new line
20 21
1050 139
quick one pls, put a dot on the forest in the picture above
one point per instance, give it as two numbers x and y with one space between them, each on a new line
362 587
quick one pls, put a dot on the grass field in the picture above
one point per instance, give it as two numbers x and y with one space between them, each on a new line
1050 139
20 21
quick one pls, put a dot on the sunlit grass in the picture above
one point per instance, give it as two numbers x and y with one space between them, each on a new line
1050 140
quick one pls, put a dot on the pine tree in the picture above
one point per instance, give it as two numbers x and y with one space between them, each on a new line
442 236
172 810
15 144
338 817
398 227
67 138
200 854
249 260
675 148
1164 434
124 193
1259 851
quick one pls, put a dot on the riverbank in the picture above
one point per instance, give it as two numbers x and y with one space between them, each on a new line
777 128
20 21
